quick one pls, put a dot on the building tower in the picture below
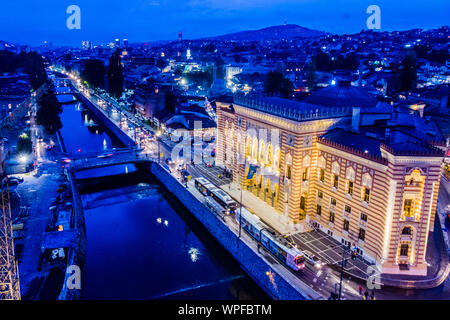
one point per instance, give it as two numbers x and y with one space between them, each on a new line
9 274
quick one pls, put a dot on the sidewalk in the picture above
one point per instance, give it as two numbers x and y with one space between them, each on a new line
265 212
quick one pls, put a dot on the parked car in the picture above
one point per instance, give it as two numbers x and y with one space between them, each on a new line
169 161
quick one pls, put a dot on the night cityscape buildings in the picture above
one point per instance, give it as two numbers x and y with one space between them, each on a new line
283 163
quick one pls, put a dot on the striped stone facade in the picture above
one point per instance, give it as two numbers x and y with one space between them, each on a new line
297 172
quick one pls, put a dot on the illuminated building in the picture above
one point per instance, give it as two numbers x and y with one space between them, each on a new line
86 45
359 170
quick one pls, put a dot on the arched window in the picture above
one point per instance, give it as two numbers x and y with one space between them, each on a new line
350 176
262 152
288 166
255 149
407 231
269 160
322 165
248 147
306 163
335 168
277 159
366 187
322 162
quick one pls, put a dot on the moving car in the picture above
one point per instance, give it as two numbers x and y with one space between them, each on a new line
169 161
313 259
105 155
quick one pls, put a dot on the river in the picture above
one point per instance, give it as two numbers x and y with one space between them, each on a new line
141 242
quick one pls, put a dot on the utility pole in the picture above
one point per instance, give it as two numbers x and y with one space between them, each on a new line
342 272
343 264
9 273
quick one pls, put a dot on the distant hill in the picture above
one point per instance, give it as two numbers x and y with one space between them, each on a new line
287 31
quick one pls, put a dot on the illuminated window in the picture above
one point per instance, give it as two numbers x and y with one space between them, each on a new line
348 209
406 231
319 209
362 234
332 216
302 203
404 248
305 174
366 194
349 187
288 171
322 175
335 181
346 225
408 206
364 217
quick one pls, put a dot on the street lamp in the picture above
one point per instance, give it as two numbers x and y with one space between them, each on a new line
23 159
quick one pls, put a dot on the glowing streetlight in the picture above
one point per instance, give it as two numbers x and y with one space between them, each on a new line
23 159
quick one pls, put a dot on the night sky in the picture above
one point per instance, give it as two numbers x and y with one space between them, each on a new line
32 22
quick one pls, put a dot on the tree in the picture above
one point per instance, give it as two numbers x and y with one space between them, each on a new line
311 75
94 73
35 68
322 61
408 72
160 63
48 112
32 64
275 83
115 75
24 144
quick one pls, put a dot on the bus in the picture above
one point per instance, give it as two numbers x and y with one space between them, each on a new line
267 237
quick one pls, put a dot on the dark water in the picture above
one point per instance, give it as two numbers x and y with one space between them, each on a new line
141 242
82 132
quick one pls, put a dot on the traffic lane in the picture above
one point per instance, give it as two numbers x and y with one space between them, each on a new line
330 251
211 174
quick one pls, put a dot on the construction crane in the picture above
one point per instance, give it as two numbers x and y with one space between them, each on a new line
9 273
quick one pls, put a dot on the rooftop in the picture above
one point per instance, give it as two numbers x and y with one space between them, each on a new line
342 94
368 144
288 109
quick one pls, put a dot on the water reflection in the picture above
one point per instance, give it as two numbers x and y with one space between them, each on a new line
140 246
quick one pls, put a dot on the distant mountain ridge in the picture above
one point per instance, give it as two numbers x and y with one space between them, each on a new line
286 31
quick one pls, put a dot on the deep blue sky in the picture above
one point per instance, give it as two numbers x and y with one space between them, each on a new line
33 21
